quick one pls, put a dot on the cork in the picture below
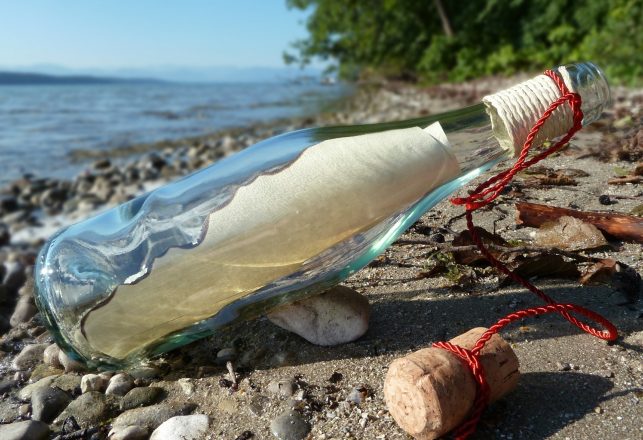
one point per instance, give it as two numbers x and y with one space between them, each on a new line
431 391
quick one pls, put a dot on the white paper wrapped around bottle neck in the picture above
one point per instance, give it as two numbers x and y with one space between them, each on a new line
514 111
271 227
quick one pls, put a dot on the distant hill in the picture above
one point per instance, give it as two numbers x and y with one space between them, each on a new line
190 74
27 78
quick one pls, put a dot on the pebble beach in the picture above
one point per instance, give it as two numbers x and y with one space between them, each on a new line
255 380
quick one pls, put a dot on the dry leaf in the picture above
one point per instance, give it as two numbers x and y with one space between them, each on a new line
569 233
619 276
542 266
474 257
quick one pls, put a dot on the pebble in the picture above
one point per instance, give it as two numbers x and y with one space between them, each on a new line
68 382
120 384
133 432
93 382
47 403
145 372
226 355
285 388
191 427
27 430
24 311
26 392
50 356
290 426
69 364
148 417
258 405
186 385
29 357
334 317
357 395
563 366
141 396
7 385
43 370
90 409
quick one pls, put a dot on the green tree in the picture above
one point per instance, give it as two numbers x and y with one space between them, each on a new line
460 39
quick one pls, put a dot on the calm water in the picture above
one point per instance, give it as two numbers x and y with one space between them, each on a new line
41 125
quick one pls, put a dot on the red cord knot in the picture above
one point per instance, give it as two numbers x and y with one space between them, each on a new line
486 193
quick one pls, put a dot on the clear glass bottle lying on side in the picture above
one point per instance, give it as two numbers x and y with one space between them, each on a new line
290 216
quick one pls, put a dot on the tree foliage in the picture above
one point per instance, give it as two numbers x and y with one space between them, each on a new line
406 38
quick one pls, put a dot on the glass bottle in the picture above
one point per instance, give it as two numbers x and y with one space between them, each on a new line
290 216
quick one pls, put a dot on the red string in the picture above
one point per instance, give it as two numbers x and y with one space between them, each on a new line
482 196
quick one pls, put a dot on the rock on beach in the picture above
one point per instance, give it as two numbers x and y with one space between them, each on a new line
337 316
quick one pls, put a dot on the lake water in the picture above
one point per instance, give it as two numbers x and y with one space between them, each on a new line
40 126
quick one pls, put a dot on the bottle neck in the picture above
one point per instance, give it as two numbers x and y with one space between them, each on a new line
496 129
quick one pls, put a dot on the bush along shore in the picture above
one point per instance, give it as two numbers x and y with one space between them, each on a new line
256 380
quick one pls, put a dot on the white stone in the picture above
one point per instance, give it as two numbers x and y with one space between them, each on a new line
93 382
51 356
132 432
70 365
334 317
120 384
182 427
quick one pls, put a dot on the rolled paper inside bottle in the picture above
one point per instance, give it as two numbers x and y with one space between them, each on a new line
515 110
270 228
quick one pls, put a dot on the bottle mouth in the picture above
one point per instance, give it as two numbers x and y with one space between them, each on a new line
589 81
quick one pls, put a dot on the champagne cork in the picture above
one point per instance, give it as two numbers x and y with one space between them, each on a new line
431 391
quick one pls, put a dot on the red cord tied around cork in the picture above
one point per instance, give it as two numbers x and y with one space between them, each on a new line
486 367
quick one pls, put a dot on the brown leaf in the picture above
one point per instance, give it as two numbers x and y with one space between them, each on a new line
473 257
569 233
543 266
600 272
619 276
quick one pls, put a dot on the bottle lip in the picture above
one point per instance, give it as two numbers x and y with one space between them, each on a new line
589 81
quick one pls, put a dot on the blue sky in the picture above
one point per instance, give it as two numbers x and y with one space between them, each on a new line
144 33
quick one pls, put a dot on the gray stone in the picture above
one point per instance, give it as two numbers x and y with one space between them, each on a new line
29 357
7 385
68 382
191 427
14 276
89 409
226 355
148 417
285 388
290 426
47 403
26 392
27 430
145 372
50 356
43 370
24 311
186 385
93 382
120 384
141 396
133 432
334 317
